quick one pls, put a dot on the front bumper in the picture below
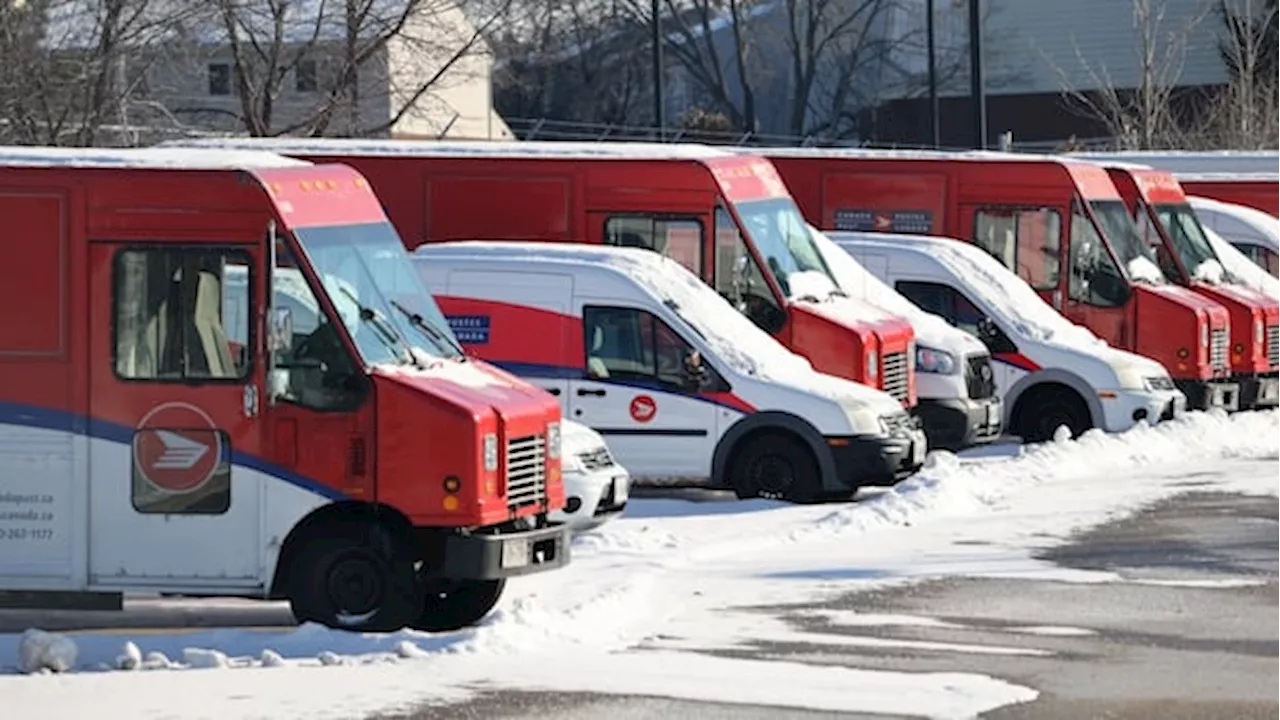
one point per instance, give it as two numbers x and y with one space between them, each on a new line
1210 394
593 498
1258 392
877 459
957 423
489 557
1122 409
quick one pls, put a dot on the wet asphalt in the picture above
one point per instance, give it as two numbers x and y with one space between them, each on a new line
1152 651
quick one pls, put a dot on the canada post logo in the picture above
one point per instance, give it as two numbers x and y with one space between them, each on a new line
177 448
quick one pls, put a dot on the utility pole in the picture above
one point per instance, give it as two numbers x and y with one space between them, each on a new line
658 90
977 94
934 120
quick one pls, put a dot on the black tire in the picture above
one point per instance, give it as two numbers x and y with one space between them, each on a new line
460 606
775 466
1041 413
355 576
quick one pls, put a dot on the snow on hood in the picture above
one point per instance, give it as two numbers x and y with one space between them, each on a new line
577 438
1241 268
809 284
1141 269
858 282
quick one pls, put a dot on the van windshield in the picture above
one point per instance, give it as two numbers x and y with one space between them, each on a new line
383 303
782 238
1186 235
1138 259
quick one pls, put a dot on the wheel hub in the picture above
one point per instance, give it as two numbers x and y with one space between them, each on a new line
773 474
355 585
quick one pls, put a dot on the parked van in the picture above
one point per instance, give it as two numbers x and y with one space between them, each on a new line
1251 231
685 389
596 488
959 403
1050 371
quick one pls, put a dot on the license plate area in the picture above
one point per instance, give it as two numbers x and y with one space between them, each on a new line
515 553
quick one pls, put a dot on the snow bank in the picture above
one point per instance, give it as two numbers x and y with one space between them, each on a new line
1241 268
40 651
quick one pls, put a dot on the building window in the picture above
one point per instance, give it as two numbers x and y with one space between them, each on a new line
305 77
173 318
219 79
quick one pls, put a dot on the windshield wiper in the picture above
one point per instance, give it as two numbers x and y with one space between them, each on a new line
433 333
385 332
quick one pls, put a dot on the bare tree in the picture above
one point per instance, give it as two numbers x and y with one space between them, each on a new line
1143 116
1246 113
344 67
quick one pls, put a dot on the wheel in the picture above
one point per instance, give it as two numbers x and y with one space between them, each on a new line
775 466
354 576
461 605
1040 415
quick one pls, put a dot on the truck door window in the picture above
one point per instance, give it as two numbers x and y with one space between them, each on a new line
634 345
315 371
954 307
680 240
171 314
1025 240
1094 279
739 278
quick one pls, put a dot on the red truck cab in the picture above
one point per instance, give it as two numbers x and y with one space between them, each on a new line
1186 257
236 384
1059 224
728 218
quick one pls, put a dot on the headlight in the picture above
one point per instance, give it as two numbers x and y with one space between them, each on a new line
490 452
1204 335
1258 331
873 364
571 464
553 440
938 362
1161 383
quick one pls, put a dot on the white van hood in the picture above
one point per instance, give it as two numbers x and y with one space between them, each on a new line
577 438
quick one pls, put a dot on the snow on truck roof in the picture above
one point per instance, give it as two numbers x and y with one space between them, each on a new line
463 148
149 158
878 154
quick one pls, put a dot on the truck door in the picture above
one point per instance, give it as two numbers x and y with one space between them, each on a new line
174 382
633 393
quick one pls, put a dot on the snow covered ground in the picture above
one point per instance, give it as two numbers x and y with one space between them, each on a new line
647 596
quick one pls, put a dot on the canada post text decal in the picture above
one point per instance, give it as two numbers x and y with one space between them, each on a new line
919 222
470 329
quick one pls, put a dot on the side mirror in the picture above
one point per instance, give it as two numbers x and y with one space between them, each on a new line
279 329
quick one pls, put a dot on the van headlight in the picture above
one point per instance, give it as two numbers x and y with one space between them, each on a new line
491 452
935 361
553 440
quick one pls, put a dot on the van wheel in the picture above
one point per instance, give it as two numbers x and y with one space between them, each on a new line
462 604
354 576
775 466
1043 410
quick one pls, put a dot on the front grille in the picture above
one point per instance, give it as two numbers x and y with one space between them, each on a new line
898 424
596 459
526 471
1218 349
894 374
979 378
1273 345
1160 383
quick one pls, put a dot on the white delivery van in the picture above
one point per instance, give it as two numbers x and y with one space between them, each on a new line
685 388
955 382
596 488
1252 232
1050 371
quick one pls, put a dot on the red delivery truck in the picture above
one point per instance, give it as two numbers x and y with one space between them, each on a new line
219 375
727 218
1243 177
1185 256
1260 191
1059 224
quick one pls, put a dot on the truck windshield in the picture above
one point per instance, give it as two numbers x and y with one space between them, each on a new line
383 304
1186 235
1117 226
782 238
